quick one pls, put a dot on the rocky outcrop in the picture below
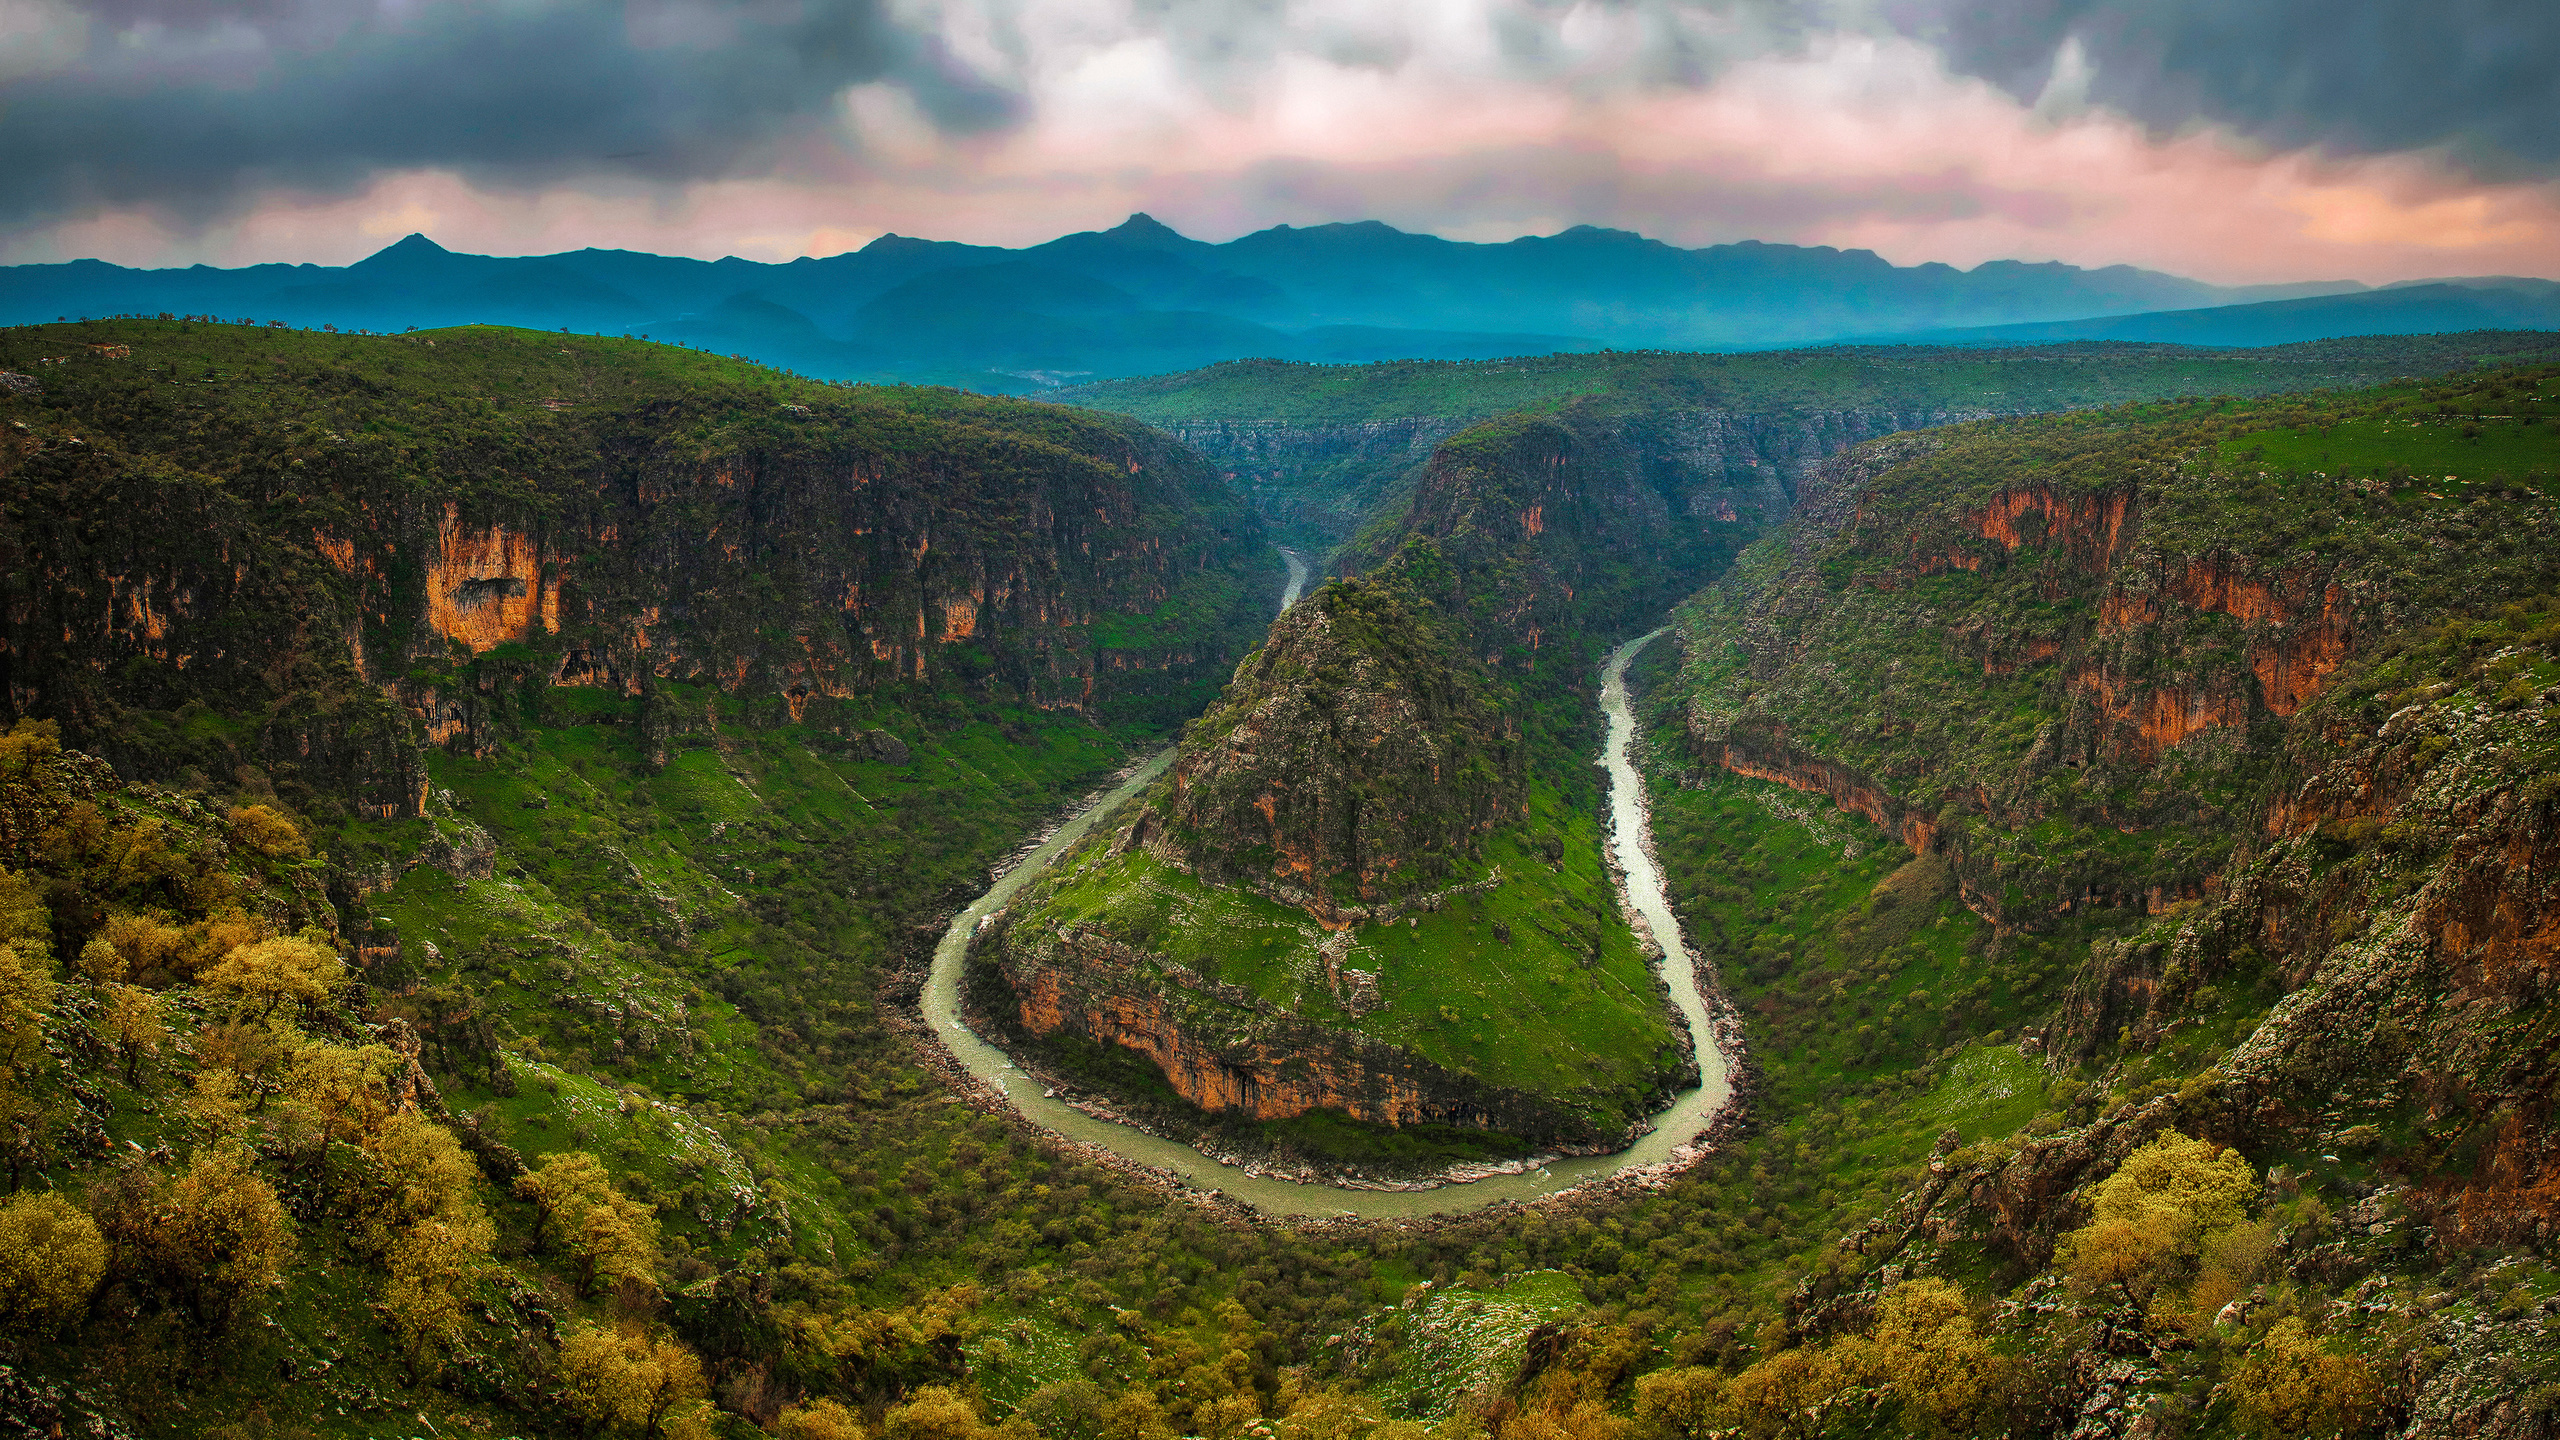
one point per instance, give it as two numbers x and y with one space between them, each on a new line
1358 755
2137 654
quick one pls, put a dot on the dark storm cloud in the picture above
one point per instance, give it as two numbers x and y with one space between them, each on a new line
191 105
2365 76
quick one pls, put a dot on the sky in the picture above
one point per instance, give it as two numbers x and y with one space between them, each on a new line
2230 140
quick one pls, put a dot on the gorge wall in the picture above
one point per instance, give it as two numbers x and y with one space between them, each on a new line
345 595
2284 736
1321 483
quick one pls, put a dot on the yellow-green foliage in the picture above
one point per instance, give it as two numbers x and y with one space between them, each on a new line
933 1413
1923 1358
25 924
613 1237
433 1266
1682 1403
631 1383
1588 1420
2292 1387
419 1173
818 1420
260 828
2169 1230
419 1211
218 1234
51 1257
135 1025
137 947
26 1003
270 973
344 1090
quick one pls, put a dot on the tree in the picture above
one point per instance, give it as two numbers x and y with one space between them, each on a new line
419 1173
135 947
818 1420
626 1380
933 1413
1065 1410
2150 1219
1925 1348
2292 1387
133 1025
26 1004
270 973
347 1091
218 1236
1790 1394
613 1237
1679 1404
418 1209
433 1265
51 1258
261 828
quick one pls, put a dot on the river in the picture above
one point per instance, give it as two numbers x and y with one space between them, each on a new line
1690 1112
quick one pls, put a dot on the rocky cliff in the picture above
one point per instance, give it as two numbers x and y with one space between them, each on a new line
342 546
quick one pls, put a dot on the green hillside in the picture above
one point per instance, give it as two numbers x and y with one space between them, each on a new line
2008 380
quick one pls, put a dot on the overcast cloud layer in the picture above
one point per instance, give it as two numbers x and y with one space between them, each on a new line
2240 140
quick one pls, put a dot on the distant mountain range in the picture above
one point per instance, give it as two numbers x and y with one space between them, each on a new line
1141 299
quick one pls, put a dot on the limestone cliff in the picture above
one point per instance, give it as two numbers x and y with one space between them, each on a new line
1970 632
351 558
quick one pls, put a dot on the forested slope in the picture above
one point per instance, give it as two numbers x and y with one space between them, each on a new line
1322 450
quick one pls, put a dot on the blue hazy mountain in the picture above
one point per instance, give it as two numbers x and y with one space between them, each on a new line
1140 298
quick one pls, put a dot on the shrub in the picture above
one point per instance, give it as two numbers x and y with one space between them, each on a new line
2291 1386
219 1237
933 1413
613 1237
2151 1218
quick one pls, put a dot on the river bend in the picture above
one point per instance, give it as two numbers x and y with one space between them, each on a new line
1630 827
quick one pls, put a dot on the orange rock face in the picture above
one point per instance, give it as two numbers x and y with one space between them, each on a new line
487 586
1229 1054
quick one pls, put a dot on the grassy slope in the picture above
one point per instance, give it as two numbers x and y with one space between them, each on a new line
1564 1007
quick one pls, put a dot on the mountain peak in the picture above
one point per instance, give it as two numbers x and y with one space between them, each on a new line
1146 232
412 246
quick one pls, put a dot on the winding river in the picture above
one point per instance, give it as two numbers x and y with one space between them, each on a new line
1690 1112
